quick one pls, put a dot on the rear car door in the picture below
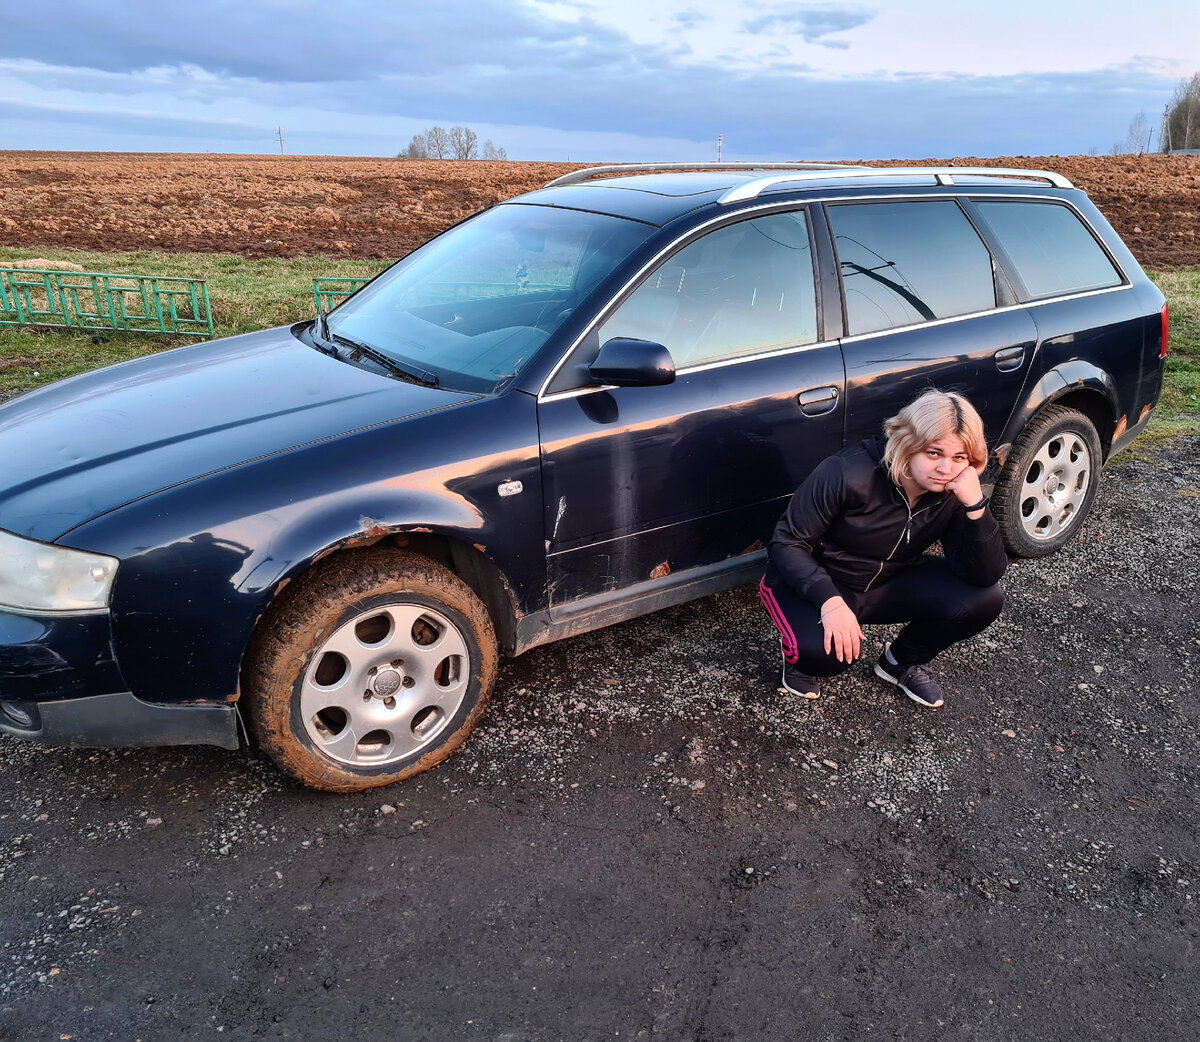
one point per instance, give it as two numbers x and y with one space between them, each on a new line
926 306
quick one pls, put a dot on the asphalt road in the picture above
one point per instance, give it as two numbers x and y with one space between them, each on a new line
646 839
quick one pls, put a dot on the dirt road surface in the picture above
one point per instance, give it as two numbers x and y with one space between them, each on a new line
646 839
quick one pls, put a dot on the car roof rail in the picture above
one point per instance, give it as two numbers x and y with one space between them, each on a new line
576 176
942 175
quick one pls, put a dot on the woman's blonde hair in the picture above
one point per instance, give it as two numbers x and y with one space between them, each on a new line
933 416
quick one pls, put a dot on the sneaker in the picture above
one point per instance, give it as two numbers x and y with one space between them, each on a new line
800 683
914 681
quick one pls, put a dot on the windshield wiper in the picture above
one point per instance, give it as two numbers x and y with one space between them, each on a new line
320 335
358 350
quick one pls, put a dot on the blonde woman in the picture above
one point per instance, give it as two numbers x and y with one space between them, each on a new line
850 549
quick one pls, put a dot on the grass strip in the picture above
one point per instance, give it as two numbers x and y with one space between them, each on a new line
1178 410
245 295
256 294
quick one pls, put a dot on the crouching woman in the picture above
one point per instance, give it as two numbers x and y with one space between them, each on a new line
850 549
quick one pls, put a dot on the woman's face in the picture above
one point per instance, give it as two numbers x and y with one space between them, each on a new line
939 462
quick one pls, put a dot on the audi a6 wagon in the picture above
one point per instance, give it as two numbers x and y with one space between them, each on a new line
580 405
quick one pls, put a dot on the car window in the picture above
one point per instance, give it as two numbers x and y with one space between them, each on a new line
474 305
1053 251
740 290
904 263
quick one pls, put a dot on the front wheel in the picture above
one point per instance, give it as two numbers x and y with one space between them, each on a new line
1049 482
372 668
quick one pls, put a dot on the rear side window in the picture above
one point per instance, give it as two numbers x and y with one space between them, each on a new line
741 290
1051 247
904 263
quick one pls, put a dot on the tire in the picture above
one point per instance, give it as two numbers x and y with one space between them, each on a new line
1049 482
372 668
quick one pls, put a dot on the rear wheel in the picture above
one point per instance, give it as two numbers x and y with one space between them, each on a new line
1047 487
373 668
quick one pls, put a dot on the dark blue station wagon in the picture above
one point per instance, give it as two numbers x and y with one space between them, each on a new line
578 406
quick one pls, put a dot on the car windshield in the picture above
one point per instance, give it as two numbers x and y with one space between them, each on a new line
474 305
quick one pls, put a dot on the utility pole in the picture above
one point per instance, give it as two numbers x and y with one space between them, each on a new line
720 142
280 129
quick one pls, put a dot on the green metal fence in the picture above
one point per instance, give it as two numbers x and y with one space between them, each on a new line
88 300
328 292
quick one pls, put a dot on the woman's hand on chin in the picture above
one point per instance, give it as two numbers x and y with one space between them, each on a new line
966 486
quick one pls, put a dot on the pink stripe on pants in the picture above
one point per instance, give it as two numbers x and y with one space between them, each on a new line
777 617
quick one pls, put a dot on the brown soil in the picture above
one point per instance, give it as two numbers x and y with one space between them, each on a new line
1153 201
263 206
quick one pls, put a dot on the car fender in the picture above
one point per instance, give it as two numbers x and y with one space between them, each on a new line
447 527
187 610
299 542
186 601
1069 378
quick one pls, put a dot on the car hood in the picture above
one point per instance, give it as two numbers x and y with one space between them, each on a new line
87 445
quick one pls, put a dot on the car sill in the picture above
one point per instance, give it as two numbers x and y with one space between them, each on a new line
606 609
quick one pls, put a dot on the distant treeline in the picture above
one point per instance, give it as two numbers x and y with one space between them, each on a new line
1179 128
455 143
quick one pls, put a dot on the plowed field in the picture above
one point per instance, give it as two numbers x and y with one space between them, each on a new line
262 206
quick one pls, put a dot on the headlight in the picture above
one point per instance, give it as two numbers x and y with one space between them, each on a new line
38 577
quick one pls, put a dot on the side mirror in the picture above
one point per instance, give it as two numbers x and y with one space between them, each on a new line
624 362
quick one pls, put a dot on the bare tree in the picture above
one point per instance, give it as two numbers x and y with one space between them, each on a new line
1183 121
417 149
464 143
1136 137
437 142
458 142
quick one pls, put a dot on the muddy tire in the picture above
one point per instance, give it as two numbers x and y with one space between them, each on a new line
1049 482
372 668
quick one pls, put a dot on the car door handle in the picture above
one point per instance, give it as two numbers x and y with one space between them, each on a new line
1009 359
818 401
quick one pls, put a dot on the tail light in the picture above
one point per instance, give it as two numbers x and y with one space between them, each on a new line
1166 324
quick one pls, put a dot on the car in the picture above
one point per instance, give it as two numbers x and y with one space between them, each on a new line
580 405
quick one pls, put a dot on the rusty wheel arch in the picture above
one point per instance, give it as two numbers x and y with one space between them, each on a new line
1095 407
469 561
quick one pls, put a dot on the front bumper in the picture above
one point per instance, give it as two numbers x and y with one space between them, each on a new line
119 719
60 684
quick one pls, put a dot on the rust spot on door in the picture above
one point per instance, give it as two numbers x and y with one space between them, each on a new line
661 571
1122 423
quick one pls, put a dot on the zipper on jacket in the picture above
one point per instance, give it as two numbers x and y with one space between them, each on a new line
905 535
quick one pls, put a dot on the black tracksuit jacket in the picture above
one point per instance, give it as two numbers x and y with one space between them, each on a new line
849 526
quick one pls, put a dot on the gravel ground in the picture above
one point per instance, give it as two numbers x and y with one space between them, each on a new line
647 839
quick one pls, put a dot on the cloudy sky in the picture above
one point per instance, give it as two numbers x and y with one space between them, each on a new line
592 80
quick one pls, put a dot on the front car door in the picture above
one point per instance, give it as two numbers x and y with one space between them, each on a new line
677 482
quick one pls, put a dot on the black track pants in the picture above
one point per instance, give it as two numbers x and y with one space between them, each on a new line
938 607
